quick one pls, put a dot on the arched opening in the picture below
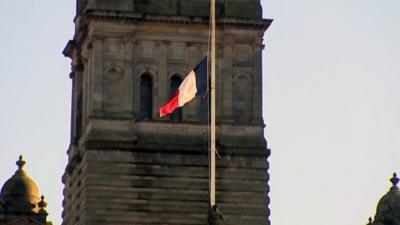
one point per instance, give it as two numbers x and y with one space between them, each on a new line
146 97
174 85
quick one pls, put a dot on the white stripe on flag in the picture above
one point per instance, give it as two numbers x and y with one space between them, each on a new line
187 90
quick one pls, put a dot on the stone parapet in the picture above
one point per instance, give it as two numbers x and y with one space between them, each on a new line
244 9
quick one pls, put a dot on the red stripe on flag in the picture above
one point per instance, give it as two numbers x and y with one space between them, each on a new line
170 106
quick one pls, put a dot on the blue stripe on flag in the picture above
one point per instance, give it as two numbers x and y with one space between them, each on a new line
201 77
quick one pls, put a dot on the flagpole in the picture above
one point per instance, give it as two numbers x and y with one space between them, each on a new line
213 107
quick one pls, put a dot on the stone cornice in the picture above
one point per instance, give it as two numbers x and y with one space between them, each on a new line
140 17
104 15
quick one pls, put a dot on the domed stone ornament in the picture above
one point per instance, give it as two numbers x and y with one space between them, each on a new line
20 193
20 201
388 209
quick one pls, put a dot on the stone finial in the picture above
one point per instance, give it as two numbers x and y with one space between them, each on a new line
394 179
42 204
20 163
215 217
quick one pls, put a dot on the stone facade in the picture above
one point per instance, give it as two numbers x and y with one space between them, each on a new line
127 165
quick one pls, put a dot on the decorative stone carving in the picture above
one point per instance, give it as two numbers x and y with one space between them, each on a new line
243 55
177 52
114 47
147 50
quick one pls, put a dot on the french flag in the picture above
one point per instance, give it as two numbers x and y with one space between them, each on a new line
194 84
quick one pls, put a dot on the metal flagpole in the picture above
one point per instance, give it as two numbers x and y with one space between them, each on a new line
212 126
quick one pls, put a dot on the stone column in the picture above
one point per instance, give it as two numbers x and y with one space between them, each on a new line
77 106
127 105
227 75
74 98
163 83
256 103
135 78
97 76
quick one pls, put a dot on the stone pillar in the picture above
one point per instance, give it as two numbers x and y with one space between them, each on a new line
86 87
127 105
227 74
74 99
256 104
135 78
97 75
163 82
77 106
220 81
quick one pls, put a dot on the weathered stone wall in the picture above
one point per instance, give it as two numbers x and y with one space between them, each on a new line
142 186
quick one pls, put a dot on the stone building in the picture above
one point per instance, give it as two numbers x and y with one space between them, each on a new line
128 166
20 202
388 209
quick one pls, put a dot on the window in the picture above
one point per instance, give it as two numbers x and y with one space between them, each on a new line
174 85
146 97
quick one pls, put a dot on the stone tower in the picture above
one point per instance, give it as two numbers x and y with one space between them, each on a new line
128 166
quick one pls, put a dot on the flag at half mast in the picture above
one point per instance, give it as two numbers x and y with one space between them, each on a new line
194 84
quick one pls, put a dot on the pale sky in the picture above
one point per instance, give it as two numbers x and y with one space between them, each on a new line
331 89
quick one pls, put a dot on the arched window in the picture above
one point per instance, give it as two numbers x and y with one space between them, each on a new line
174 85
146 97
241 102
